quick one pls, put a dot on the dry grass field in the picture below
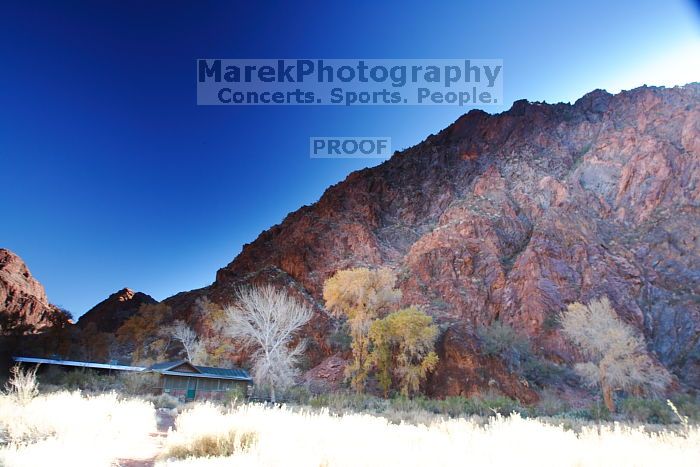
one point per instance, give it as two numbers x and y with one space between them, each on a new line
69 428
283 436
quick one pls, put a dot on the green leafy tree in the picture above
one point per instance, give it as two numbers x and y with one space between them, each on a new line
403 349
500 340
360 295
616 352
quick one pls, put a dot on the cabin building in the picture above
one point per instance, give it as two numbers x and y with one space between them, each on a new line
190 382
179 378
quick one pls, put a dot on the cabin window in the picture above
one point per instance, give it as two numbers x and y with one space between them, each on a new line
175 382
226 385
206 384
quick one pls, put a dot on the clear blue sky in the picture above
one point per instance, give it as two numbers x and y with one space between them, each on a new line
111 176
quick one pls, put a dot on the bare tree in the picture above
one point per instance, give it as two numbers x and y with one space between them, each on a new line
193 346
267 319
617 354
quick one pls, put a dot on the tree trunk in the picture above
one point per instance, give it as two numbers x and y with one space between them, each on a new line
608 398
273 399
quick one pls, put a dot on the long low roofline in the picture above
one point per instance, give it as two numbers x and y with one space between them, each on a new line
202 375
108 366
104 366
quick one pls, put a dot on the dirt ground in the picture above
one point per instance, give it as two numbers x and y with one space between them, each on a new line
165 421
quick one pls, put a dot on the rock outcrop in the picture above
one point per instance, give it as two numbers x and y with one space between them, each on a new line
512 217
110 314
24 308
328 375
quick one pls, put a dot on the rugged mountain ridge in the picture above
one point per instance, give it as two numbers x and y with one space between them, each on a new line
110 313
512 216
24 307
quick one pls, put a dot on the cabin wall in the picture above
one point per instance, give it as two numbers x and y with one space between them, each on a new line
204 388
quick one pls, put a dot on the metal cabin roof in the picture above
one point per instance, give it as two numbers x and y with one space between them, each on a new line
166 365
166 368
232 373
53 361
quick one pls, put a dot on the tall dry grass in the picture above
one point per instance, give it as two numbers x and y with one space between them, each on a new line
292 437
207 431
68 428
22 386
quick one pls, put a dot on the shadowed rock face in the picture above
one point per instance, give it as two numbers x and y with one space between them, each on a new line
23 304
110 314
512 217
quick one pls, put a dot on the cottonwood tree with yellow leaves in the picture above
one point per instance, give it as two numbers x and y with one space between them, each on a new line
361 295
616 351
402 349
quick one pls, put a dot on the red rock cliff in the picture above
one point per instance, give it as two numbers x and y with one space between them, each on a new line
513 216
110 313
23 303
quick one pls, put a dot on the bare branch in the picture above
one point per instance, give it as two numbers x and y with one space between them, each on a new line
194 348
266 319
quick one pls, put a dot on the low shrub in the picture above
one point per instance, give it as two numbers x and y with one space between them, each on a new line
208 430
486 405
576 414
137 383
596 412
515 350
163 401
550 405
492 403
297 395
452 406
90 380
543 372
501 340
687 406
647 410
338 402
599 412
235 395
551 322
83 379
402 403
213 445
